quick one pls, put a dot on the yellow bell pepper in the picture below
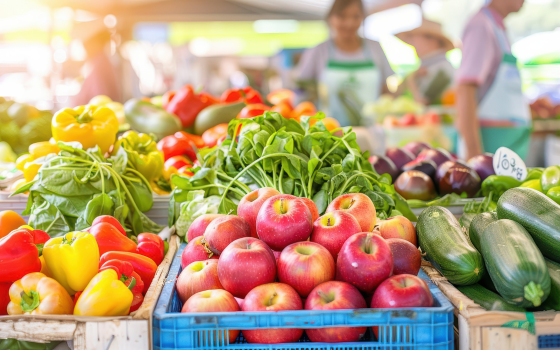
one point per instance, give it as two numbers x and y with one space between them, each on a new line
105 295
105 101
37 294
90 125
44 267
158 190
31 169
142 153
534 184
73 259
42 149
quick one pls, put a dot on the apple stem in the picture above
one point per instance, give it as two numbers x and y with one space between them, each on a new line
324 296
328 221
351 202
282 205
271 299
368 247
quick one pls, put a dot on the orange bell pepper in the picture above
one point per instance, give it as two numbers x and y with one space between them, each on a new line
37 294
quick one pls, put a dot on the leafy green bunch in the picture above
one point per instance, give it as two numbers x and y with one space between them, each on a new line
76 186
301 159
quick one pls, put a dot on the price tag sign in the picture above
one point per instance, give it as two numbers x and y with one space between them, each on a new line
507 162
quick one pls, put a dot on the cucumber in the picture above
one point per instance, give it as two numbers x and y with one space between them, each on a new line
539 214
515 264
487 299
478 224
447 248
553 300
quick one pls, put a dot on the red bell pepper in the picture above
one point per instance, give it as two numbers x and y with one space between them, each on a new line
247 95
165 98
18 255
151 245
109 239
253 110
186 104
143 266
110 220
4 297
126 274
177 145
185 171
212 135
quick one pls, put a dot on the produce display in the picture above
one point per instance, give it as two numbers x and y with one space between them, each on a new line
96 272
505 256
278 254
427 176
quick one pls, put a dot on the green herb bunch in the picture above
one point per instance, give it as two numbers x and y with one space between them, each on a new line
76 186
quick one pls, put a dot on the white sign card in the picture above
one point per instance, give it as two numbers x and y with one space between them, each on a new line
507 162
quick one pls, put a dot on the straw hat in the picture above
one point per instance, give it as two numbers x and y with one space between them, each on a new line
427 28
84 31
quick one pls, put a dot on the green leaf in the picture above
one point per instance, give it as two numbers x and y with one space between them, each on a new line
321 201
98 206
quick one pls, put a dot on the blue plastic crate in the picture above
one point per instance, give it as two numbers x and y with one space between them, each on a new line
414 328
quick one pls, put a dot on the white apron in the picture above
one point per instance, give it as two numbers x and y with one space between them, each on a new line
361 80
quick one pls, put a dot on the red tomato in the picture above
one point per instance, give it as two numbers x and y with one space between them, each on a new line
212 135
252 110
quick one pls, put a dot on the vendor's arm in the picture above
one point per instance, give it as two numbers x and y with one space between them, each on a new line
410 84
467 122
477 69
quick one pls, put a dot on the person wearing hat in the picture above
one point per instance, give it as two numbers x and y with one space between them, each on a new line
99 76
350 70
435 73
492 111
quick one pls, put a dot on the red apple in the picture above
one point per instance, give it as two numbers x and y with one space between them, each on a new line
200 224
272 297
402 291
335 295
246 263
250 205
397 227
276 255
215 300
224 230
283 220
312 208
406 257
359 205
332 229
365 261
196 251
304 265
197 277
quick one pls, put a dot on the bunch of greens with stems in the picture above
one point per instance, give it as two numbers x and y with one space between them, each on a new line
76 186
303 159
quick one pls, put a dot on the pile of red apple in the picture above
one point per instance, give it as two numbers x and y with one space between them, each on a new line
278 254
411 119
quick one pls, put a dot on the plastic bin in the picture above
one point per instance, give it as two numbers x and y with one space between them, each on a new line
413 328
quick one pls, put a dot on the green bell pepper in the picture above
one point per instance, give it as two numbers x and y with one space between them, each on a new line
534 184
146 117
550 178
497 185
554 194
142 153
534 174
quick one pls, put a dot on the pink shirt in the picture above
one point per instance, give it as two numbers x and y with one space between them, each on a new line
482 53
101 79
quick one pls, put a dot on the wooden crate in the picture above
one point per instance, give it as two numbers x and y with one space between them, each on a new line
479 329
131 332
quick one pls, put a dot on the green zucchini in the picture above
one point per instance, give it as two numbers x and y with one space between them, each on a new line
487 299
553 300
539 214
478 224
447 248
515 264
465 221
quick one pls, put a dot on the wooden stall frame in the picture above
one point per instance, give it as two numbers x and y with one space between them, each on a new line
480 329
131 332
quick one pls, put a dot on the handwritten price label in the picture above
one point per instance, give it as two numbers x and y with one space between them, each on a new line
506 162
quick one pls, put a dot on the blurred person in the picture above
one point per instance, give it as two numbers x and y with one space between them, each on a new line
492 111
350 70
99 75
435 74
